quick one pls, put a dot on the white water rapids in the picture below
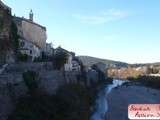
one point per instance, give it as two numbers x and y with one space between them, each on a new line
101 102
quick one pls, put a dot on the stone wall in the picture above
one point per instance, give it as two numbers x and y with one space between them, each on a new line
12 85
34 33
5 32
28 30
5 20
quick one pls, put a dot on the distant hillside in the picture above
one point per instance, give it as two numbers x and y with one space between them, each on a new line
89 61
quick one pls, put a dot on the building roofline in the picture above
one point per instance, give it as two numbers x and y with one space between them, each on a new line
32 22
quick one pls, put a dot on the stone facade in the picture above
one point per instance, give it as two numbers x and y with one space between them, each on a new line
76 66
32 36
31 31
68 66
49 51
28 48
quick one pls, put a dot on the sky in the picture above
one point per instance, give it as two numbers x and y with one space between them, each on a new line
121 30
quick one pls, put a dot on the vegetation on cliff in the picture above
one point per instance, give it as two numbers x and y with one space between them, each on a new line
71 102
149 81
15 37
59 60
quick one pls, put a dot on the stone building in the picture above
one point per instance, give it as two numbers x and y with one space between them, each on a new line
68 64
31 33
71 64
49 51
76 66
28 48
5 33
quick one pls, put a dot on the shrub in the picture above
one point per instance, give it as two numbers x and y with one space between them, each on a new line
149 81
15 37
59 60
22 57
71 102
30 79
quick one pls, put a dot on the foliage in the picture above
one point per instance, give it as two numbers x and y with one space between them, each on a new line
15 36
4 45
30 80
124 73
71 102
59 60
1 23
22 57
149 81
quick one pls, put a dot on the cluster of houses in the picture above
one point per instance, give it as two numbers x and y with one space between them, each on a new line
32 42
71 64
33 37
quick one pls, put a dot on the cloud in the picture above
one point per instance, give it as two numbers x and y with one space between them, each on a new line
102 17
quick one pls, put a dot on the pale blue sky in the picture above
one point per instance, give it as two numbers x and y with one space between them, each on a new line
123 30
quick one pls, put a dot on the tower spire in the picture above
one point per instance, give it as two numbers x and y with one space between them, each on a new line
31 15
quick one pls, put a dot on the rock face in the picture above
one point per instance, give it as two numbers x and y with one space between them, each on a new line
5 30
5 20
12 85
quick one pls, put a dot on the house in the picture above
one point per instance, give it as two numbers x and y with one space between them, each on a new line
32 36
49 51
76 66
68 64
71 64
30 49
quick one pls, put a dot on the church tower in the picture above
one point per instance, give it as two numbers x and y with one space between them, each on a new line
31 15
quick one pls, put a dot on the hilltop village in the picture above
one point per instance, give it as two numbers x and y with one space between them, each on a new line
23 39
39 82
28 64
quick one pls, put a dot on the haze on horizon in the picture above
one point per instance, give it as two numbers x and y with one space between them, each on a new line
114 29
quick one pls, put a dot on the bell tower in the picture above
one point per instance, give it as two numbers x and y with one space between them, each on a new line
31 15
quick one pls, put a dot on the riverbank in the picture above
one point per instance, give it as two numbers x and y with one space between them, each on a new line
120 97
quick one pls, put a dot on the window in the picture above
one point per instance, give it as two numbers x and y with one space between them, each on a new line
22 44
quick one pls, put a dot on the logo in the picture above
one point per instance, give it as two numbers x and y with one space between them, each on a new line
144 111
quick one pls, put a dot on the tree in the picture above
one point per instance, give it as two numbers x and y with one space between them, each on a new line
5 47
59 60
15 37
30 79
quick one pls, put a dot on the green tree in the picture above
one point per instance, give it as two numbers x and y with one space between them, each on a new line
5 47
59 60
30 79
15 37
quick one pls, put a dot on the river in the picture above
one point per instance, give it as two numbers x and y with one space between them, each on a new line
101 102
